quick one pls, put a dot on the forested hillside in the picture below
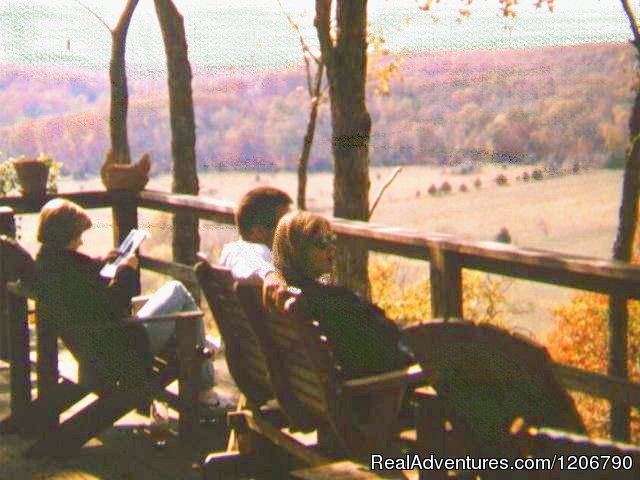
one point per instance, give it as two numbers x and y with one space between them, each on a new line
556 104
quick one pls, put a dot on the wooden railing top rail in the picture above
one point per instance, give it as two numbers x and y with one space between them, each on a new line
88 199
585 273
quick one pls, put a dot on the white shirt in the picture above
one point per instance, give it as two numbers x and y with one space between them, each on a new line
249 262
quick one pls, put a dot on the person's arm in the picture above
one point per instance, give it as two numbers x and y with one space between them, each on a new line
276 292
123 286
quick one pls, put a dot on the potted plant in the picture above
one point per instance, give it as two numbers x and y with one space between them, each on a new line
36 176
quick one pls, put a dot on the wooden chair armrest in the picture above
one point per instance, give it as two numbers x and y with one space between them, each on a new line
132 321
174 317
412 375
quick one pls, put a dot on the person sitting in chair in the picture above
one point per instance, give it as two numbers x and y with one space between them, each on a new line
124 355
249 258
363 340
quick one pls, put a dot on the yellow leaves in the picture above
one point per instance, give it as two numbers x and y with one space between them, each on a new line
383 75
483 295
580 339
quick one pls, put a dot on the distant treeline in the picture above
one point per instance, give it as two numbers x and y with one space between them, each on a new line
552 104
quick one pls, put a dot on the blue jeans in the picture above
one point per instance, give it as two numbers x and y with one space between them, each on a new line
173 297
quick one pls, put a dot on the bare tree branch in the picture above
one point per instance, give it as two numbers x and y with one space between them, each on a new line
100 19
632 20
296 27
381 191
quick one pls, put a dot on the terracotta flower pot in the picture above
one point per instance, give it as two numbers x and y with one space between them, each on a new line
33 176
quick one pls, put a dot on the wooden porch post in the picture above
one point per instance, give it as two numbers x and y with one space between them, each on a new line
446 284
125 218
8 228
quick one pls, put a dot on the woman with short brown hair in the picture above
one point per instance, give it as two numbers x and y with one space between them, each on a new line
89 298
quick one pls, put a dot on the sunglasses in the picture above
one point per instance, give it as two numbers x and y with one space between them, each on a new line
325 242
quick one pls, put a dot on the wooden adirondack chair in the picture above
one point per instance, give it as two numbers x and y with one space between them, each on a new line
247 365
116 395
270 357
353 418
487 374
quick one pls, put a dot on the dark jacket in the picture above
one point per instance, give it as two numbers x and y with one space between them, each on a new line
86 296
363 340
72 288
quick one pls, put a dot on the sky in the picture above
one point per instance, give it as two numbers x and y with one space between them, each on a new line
254 34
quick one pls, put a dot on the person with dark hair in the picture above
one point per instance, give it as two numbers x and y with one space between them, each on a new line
249 258
90 298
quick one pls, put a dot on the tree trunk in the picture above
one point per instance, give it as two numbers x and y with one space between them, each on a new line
346 64
623 251
186 240
303 162
119 91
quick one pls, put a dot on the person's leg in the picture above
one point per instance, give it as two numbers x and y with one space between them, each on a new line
173 297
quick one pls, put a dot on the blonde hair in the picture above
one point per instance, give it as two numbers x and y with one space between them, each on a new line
291 243
60 222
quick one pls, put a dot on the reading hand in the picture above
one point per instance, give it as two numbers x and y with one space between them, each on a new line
130 261
111 255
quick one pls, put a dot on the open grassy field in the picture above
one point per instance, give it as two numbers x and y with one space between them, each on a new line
574 214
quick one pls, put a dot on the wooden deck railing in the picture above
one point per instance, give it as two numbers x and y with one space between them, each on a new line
447 256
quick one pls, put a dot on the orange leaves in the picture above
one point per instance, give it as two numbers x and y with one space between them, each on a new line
580 339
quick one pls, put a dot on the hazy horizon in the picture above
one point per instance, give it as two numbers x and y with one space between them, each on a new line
255 36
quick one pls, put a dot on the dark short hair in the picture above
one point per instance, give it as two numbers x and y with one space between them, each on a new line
259 207
61 221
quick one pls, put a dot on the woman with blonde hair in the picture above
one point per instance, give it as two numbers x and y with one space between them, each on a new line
363 340
122 354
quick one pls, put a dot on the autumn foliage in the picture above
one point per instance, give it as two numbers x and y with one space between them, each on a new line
409 303
450 107
580 339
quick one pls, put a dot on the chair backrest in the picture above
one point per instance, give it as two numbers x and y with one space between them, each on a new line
491 376
16 264
247 365
302 369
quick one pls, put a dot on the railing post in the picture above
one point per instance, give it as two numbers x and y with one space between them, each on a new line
8 228
618 357
446 284
125 218
186 243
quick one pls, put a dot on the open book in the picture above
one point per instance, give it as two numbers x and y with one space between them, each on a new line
128 246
